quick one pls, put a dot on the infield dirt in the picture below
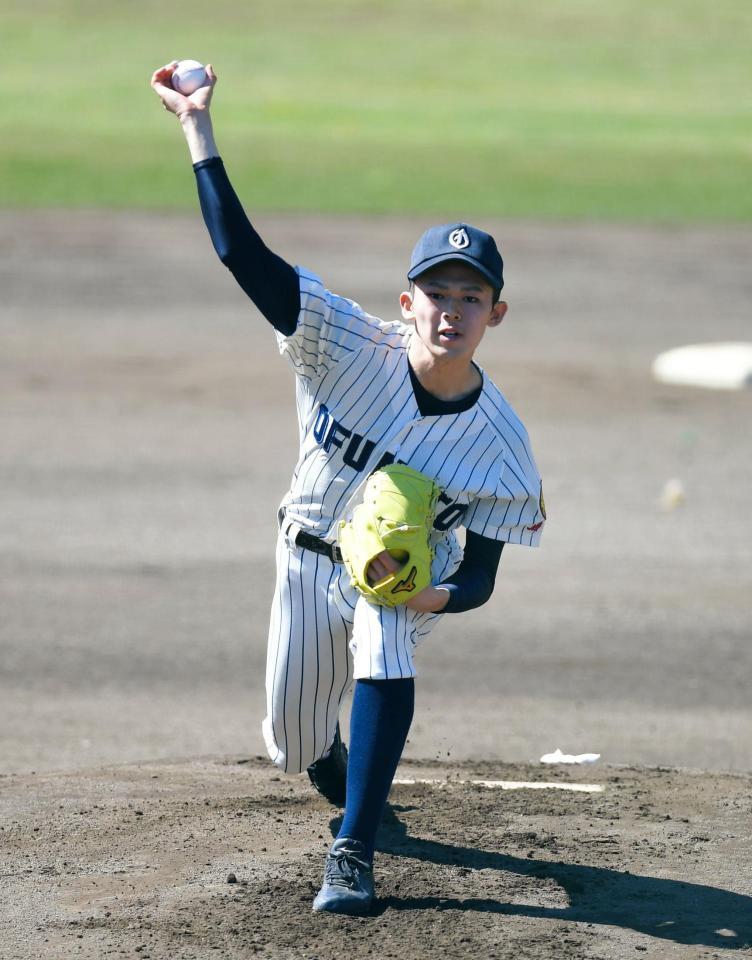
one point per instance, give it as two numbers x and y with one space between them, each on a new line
135 860
148 435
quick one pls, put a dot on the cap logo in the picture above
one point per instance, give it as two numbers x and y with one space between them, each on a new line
459 239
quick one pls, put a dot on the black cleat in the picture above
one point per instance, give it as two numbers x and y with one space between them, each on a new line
348 880
329 774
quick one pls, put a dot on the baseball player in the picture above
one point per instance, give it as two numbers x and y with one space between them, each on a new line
371 393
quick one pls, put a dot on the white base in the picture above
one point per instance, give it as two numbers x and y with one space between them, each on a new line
717 366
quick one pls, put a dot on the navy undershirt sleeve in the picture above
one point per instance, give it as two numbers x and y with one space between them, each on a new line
472 583
269 281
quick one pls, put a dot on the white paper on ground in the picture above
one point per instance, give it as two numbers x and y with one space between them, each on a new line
558 757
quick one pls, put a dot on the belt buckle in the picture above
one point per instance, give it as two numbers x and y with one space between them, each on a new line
337 554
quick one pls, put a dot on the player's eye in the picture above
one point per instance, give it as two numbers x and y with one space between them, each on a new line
436 296
472 299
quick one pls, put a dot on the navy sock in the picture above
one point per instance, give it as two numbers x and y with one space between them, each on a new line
382 712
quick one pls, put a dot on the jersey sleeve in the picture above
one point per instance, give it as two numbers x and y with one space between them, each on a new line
517 511
331 328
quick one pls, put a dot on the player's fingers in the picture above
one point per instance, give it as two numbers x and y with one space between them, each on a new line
389 562
161 82
172 101
202 97
162 89
376 571
382 566
163 74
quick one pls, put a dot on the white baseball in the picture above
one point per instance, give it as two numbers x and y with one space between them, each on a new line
188 76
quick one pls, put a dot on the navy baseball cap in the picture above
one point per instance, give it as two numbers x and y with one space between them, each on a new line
458 241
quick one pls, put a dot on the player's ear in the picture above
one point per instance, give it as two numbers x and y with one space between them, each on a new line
406 304
498 312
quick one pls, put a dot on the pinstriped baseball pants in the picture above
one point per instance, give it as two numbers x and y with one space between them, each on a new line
322 636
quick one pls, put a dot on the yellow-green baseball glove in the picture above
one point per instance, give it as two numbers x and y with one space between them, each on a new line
396 514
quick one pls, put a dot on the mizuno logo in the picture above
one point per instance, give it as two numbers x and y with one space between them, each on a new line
408 584
459 239
536 526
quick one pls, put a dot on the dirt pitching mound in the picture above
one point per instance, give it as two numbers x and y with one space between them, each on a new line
223 857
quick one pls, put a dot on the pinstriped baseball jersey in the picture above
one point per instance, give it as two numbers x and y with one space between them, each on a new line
357 410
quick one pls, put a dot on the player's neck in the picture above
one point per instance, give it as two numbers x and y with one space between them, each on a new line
447 378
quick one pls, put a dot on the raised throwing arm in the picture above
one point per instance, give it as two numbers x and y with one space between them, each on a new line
270 282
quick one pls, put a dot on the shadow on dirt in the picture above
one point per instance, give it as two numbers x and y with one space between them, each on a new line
675 910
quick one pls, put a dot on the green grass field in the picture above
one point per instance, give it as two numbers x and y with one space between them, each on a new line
607 109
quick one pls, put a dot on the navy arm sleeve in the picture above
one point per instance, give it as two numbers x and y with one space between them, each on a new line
266 278
472 583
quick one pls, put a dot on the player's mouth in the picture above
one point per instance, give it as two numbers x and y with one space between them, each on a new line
449 335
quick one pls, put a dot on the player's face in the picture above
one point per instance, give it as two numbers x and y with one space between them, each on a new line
451 307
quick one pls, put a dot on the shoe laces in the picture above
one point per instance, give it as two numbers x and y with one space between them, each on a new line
343 869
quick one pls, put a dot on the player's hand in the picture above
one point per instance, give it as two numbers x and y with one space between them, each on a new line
430 600
381 566
175 102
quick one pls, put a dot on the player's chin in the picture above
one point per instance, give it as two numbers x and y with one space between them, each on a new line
454 344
